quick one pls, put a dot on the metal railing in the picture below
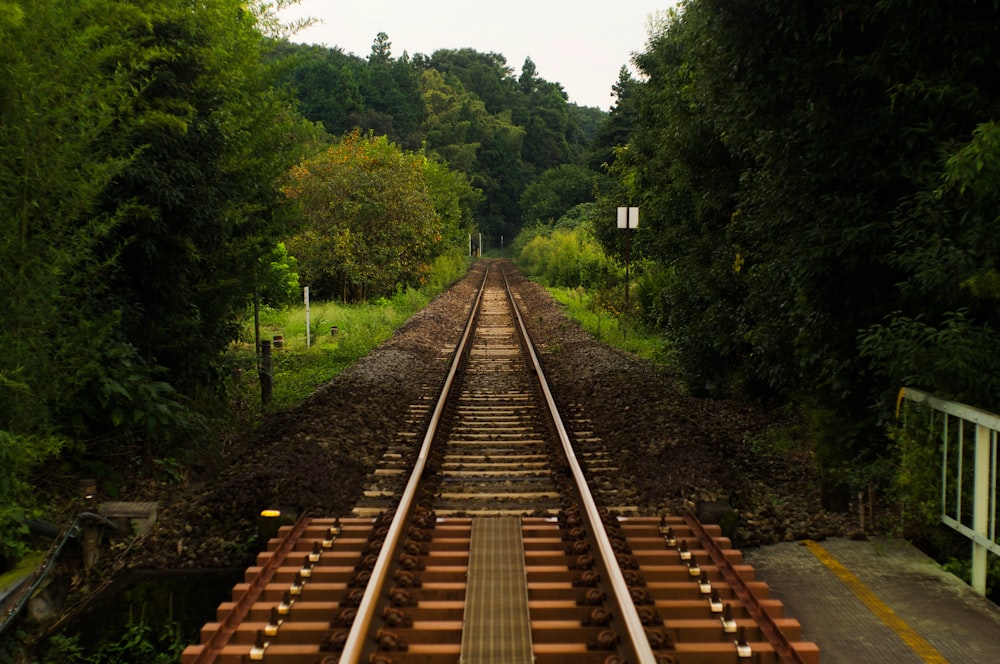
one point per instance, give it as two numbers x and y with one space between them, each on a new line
968 447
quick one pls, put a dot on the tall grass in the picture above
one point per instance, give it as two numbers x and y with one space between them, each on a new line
339 335
583 308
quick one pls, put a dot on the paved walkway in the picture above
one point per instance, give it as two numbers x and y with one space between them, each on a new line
880 600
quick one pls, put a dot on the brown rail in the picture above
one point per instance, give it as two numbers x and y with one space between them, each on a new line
354 647
765 622
221 636
635 632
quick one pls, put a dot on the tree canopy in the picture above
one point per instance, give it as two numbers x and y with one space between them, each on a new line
374 217
817 186
465 106
142 145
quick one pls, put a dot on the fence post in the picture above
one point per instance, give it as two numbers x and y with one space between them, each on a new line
266 373
981 508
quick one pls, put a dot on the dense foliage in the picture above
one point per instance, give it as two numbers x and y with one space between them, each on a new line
819 189
819 184
374 217
566 257
141 149
463 106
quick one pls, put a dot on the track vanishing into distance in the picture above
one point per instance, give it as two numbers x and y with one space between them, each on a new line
479 541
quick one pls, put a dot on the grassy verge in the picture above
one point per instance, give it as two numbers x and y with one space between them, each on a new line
338 335
612 330
299 368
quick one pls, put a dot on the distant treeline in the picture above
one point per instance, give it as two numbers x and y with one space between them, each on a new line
464 106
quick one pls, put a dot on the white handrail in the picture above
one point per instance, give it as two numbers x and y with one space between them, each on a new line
982 532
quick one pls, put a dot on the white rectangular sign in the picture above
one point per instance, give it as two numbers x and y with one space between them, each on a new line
628 217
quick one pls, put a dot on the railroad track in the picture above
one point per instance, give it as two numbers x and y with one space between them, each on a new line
478 540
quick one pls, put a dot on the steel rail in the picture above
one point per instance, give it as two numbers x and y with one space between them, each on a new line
782 647
221 636
636 633
355 644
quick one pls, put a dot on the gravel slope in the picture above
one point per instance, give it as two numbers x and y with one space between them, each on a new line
676 450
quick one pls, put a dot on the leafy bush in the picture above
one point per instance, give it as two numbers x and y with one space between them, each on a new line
567 258
370 221
279 279
957 359
139 643
918 476
18 455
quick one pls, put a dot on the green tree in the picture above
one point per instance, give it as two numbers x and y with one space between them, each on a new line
555 192
200 202
485 75
682 179
142 144
391 89
464 106
454 123
945 335
370 223
278 278
618 125
551 135
790 159
454 199
326 83
52 179
66 72
486 147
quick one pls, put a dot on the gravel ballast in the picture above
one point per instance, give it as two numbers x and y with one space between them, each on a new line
676 451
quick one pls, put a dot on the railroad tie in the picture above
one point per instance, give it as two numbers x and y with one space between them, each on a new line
496 625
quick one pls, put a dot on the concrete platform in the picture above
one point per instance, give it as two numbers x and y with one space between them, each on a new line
880 600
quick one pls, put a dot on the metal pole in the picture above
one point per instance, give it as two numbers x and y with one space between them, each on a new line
980 509
628 258
266 373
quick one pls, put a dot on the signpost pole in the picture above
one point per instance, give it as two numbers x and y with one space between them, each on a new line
628 218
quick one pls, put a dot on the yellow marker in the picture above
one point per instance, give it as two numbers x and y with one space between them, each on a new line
918 644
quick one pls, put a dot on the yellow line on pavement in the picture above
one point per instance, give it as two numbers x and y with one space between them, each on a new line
918 644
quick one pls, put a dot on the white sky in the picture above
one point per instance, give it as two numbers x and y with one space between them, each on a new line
581 45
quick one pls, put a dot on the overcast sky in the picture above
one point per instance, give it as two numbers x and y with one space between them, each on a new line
580 44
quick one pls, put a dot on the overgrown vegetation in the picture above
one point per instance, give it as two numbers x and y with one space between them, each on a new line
338 335
818 186
140 188
819 189
591 311
155 182
374 217
140 642
916 465
469 109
